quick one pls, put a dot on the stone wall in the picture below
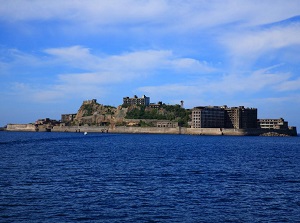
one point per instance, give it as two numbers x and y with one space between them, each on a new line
21 127
201 131
79 129
154 130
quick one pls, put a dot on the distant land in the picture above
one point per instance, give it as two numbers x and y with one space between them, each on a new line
138 115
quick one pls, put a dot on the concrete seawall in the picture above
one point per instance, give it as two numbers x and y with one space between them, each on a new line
119 129
152 130
178 130
21 127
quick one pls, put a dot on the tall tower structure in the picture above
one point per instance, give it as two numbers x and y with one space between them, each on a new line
181 103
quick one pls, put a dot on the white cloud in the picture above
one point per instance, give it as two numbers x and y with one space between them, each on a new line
97 12
232 34
192 65
290 85
53 93
232 84
95 72
68 53
14 58
126 66
259 80
170 89
122 69
74 56
114 70
160 13
251 45
281 99
78 56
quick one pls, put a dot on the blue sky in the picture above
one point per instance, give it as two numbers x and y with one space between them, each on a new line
55 54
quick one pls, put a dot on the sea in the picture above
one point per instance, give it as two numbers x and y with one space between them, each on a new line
72 177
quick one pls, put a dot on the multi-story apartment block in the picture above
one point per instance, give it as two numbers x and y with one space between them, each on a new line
232 117
273 123
224 117
208 117
240 117
136 101
248 117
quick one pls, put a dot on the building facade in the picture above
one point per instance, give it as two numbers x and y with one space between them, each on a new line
208 117
240 117
272 123
224 117
136 100
166 124
153 105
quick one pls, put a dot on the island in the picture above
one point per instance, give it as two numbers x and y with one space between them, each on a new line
138 115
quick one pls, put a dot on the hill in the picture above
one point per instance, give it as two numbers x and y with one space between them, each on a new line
166 112
93 113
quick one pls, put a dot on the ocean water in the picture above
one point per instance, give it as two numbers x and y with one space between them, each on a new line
71 177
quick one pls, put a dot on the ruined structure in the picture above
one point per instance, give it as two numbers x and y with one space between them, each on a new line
136 100
240 117
224 117
208 117
205 120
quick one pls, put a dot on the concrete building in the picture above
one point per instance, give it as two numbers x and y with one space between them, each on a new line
136 101
224 117
166 124
46 121
272 123
153 105
152 122
240 117
208 117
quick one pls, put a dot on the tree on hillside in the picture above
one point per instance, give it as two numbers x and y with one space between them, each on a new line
166 112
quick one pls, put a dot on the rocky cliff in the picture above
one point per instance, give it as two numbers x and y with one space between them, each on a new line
92 113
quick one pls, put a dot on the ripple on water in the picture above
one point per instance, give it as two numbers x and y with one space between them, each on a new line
148 178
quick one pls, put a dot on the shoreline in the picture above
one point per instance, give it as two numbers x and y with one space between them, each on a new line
154 130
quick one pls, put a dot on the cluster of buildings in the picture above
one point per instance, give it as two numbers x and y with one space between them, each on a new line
208 116
224 117
233 117
144 100
220 116
47 121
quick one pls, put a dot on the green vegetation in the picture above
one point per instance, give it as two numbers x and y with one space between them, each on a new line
125 105
88 108
109 106
166 112
145 124
104 113
140 112
110 109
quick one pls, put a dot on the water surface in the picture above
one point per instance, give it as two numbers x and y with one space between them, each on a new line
69 177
